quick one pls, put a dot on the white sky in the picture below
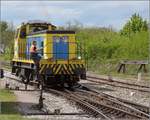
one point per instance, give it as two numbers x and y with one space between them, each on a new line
96 13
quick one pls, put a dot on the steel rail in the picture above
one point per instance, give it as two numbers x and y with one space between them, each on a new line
121 86
79 101
136 105
121 82
114 103
107 107
89 104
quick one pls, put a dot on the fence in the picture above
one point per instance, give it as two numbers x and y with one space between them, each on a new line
110 67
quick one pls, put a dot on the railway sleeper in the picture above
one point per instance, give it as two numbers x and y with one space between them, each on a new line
107 111
117 113
111 111
87 107
92 109
121 115
88 99
104 108
118 104
129 110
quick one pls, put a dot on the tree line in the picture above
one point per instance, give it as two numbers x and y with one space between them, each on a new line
7 32
101 43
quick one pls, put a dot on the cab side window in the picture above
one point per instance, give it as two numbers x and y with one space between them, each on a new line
40 44
23 33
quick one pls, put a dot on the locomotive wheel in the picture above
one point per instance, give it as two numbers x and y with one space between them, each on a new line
83 76
17 72
24 79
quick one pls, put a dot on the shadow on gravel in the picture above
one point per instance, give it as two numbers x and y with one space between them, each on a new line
97 87
11 107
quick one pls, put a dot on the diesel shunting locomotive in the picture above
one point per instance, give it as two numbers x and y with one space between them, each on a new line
62 59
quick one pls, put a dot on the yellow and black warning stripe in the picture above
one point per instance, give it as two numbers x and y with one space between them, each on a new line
61 68
41 68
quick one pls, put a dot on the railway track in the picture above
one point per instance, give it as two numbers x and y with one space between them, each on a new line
100 104
138 106
133 104
120 84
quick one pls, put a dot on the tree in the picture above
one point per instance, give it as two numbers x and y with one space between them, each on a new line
134 24
6 34
145 25
3 26
73 25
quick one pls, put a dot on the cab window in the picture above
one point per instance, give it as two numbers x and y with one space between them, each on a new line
23 32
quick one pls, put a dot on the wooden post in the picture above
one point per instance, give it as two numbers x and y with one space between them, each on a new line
120 67
144 67
124 68
1 71
26 86
41 93
140 68
0 107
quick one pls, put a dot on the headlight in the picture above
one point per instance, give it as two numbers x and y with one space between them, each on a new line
79 57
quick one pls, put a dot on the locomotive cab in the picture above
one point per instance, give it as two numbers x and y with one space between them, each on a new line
23 31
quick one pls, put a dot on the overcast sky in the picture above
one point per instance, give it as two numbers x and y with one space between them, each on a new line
97 13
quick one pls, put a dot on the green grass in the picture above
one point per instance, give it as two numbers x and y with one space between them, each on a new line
5 57
6 95
8 106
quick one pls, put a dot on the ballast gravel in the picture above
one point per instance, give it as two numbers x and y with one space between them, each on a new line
27 103
28 100
128 94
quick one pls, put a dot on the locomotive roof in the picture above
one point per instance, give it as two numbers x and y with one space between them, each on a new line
53 32
37 22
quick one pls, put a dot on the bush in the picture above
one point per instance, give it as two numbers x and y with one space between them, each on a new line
106 48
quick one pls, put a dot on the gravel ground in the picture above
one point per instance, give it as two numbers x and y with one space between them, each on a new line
128 94
28 101
128 80
63 117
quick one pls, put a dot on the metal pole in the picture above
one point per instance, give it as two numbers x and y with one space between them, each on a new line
1 70
26 86
41 95
0 108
